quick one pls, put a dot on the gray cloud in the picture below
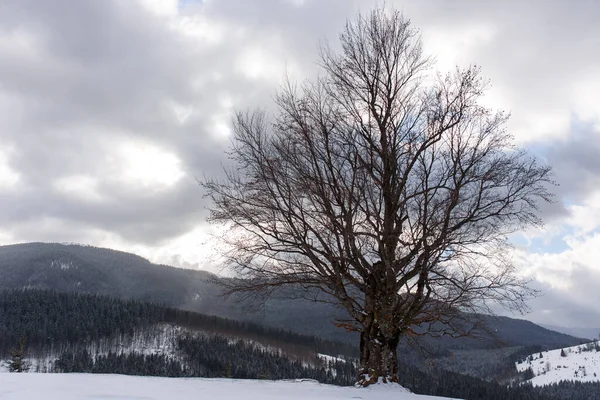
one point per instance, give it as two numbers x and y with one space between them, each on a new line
92 79
80 79
576 161
575 307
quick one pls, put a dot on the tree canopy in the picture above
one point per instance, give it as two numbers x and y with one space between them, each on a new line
385 185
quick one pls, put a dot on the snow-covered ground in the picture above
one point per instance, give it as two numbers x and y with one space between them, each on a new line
120 387
579 363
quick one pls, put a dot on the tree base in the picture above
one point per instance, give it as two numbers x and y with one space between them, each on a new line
366 379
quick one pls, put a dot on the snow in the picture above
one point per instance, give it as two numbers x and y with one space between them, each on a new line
26 386
328 358
62 265
582 364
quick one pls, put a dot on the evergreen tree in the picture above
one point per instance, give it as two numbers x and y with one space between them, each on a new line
17 362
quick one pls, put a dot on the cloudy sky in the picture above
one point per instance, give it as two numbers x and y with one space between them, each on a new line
111 109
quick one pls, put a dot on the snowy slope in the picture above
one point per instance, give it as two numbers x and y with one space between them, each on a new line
120 387
579 363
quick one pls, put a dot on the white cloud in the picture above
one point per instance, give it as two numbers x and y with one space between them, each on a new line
584 218
162 8
6 237
84 187
586 97
9 177
264 61
568 280
452 45
199 27
181 111
569 274
145 165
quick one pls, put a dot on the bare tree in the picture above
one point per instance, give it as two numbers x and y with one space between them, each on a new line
385 186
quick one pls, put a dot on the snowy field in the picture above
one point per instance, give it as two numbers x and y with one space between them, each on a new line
30 386
576 364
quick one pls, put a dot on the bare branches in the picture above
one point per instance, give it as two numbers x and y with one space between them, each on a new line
390 192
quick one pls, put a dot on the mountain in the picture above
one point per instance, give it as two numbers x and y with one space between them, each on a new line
589 333
87 269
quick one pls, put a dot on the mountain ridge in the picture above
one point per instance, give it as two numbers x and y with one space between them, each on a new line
88 269
588 333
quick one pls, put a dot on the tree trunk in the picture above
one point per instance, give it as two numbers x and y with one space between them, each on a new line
378 356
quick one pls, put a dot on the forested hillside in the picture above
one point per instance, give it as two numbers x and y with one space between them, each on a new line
93 270
50 319
86 333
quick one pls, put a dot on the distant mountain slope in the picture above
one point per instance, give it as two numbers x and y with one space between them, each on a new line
86 269
520 332
588 333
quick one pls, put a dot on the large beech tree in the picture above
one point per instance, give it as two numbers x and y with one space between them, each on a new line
386 186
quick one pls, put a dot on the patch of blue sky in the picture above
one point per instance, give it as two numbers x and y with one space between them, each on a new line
186 3
554 244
